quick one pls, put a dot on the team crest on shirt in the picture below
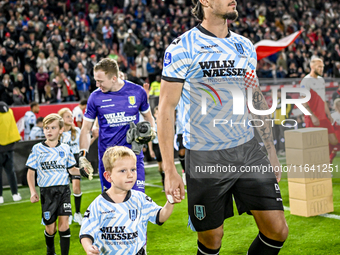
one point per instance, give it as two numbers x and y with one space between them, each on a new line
133 214
61 154
239 48
167 59
199 211
132 100
47 215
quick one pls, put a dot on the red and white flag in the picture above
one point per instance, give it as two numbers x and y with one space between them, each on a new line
266 48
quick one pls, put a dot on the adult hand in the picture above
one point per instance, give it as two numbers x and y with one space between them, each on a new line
315 120
173 181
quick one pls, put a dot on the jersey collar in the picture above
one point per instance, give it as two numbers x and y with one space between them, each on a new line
204 31
106 196
44 143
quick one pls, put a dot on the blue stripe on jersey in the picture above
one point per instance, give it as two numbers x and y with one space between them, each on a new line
119 228
214 71
51 164
115 110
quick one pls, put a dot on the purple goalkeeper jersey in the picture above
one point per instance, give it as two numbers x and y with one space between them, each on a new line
115 110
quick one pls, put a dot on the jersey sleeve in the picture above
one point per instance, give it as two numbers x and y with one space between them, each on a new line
250 79
91 109
90 223
78 115
151 210
305 84
144 107
71 162
32 161
176 61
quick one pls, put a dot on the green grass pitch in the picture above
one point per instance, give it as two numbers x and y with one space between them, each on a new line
21 231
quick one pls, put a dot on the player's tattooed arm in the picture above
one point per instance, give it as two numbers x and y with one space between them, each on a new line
265 129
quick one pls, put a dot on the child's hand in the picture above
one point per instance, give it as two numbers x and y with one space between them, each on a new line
92 250
177 195
34 198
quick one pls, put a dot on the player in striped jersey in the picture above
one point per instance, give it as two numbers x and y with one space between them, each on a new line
212 69
116 221
71 137
52 161
30 119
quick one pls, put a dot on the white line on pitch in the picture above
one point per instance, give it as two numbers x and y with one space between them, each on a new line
326 215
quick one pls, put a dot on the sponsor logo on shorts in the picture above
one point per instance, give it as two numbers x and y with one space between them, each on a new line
279 199
67 205
277 188
199 211
133 214
140 183
47 215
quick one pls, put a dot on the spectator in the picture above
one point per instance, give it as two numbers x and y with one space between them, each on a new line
42 62
57 88
83 85
108 32
22 86
42 80
49 95
129 50
141 63
18 97
10 135
68 86
51 62
55 73
6 90
30 80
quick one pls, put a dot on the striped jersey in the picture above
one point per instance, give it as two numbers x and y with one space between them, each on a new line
115 110
215 73
119 228
29 120
67 138
51 164
37 133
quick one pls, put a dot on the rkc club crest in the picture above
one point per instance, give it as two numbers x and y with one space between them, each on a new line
199 211
239 48
61 154
133 214
47 215
132 100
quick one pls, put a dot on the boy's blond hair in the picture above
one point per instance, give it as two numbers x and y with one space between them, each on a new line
52 117
336 101
115 153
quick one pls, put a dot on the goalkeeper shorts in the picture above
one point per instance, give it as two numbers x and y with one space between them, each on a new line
216 177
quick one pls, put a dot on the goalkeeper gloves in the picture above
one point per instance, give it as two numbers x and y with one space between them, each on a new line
84 165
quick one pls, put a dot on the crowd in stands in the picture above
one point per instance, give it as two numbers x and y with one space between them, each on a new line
48 48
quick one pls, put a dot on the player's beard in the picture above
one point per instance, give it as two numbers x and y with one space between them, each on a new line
233 15
317 73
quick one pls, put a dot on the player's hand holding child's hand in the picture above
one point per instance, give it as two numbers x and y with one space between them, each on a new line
177 196
34 198
92 250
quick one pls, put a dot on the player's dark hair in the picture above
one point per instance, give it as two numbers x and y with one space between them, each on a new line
40 119
83 102
197 11
108 66
33 104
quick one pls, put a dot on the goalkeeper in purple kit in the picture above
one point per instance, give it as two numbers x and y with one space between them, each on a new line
116 103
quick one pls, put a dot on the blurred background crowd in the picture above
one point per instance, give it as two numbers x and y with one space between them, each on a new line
48 48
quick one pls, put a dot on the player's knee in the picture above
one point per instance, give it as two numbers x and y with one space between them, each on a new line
76 189
211 239
277 233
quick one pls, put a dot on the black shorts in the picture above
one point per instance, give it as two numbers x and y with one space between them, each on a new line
157 152
180 142
55 201
75 177
215 177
